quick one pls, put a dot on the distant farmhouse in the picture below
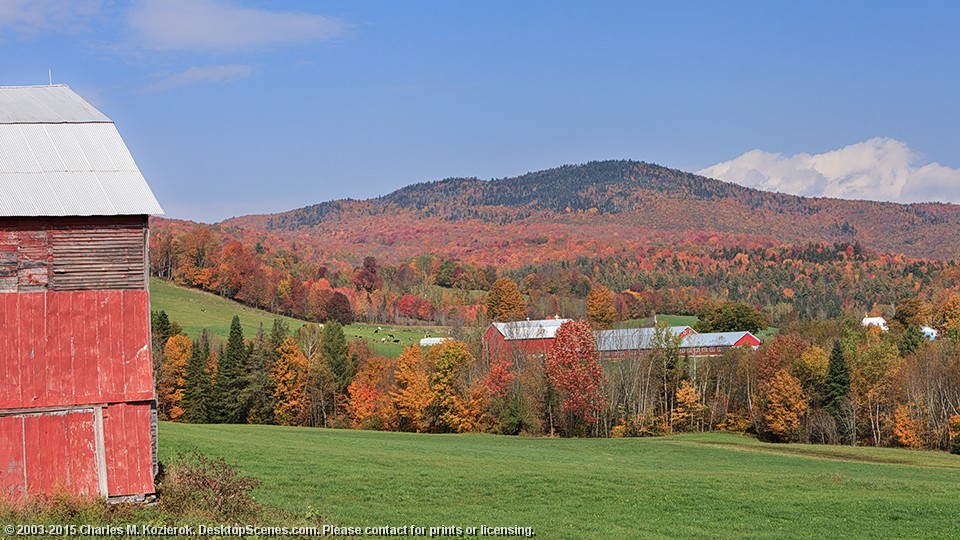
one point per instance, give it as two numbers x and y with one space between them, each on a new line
536 337
879 322
77 402
621 343
506 339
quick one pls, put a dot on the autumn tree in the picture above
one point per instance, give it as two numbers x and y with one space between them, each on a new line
785 406
413 395
572 369
370 405
908 427
456 406
338 309
504 301
173 377
289 380
196 385
600 310
689 410
730 317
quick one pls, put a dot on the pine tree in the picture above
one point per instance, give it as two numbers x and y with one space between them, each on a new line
836 388
258 394
196 386
600 310
504 301
231 377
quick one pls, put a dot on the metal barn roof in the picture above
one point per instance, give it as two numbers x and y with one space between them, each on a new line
630 339
541 329
59 156
714 339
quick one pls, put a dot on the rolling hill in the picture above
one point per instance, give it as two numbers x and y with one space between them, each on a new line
609 206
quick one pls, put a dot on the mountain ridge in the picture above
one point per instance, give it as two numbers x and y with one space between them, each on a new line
615 195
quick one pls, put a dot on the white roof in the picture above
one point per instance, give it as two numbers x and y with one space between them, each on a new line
431 341
541 329
714 339
59 156
874 321
629 339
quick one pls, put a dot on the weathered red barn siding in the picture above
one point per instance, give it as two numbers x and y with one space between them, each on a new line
76 380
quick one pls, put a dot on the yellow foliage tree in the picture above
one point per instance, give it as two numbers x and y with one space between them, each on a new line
289 376
600 310
413 396
172 376
785 406
504 301
686 415
811 367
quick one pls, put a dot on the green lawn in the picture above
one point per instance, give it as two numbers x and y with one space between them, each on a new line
703 486
195 310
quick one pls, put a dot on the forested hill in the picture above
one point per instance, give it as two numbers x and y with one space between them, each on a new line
625 202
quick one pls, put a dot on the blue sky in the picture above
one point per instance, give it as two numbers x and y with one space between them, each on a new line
241 106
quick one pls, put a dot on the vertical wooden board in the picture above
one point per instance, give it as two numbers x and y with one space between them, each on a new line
10 383
31 326
83 330
81 453
110 338
116 449
59 376
138 366
12 476
140 451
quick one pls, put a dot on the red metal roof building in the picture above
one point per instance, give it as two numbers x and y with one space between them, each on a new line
76 381
527 338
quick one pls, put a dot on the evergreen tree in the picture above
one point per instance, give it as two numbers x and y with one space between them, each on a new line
196 386
911 340
334 347
231 377
836 388
258 395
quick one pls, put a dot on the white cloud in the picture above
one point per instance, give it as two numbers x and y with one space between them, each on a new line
880 169
199 75
218 26
31 18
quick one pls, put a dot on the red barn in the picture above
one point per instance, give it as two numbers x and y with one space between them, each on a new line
76 381
527 338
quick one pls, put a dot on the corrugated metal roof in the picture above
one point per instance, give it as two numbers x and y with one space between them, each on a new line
629 339
45 105
714 339
541 329
59 156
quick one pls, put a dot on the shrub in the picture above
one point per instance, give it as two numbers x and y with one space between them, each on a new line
195 486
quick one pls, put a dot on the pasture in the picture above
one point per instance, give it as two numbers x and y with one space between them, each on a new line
195 310
712 485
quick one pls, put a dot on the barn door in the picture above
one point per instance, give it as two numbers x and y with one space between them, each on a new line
49 452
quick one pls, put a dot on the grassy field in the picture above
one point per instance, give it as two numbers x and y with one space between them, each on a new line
702 486
195 310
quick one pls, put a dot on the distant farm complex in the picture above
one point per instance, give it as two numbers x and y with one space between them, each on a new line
76 383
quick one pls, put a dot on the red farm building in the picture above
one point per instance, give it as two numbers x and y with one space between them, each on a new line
526 338
77 397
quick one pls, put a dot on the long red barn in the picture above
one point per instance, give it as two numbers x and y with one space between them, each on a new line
77 397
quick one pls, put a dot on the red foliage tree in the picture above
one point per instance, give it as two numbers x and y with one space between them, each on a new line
573 370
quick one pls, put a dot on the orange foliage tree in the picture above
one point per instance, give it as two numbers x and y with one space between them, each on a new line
289 377
172 377
504 302
413 396
458 407
785 406
370 405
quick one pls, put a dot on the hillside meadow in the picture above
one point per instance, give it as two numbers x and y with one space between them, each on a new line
195 310
715 485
